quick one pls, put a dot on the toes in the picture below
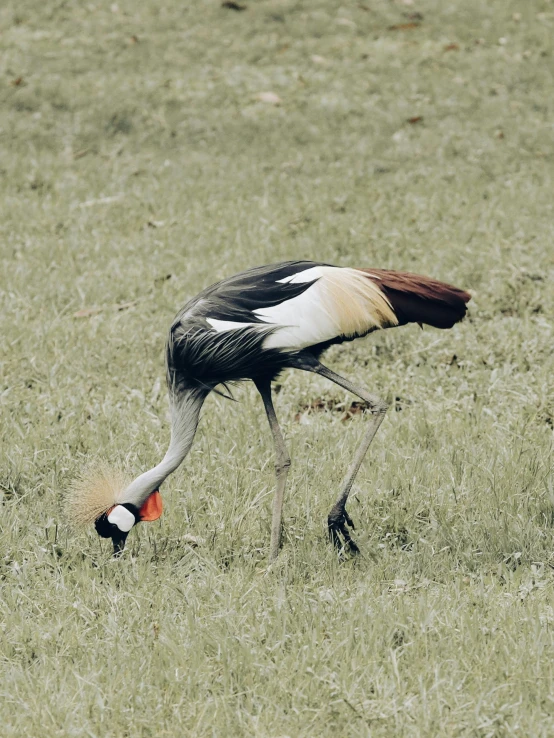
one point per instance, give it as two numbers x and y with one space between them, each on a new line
338 525
348 542
352 545
349 520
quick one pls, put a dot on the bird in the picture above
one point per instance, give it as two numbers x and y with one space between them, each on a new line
252 326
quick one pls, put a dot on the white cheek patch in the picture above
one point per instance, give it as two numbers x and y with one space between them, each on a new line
123 518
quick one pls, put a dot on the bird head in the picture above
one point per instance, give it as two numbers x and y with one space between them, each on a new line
96 497
116 522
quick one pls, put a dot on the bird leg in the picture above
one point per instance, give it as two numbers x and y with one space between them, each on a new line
338 518
282 464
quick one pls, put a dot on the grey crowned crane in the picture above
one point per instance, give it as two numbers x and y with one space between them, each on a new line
252 326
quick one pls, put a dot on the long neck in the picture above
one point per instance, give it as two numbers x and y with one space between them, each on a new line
185 412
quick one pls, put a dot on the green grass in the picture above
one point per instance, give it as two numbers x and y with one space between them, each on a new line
137 166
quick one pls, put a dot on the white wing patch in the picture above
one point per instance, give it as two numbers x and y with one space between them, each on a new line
342 302
226 325
308 275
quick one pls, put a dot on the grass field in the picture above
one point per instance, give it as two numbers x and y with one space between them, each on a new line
140 161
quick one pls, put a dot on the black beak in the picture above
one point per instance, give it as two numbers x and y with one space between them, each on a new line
118 541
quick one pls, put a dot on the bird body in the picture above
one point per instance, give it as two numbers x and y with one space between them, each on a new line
249 325
253 325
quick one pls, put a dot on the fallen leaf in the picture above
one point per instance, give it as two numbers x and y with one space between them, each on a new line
134 39
16 82
451 47
320 405
193 541
415 119
404 26
125 305
345 22
87 312
79 154
269 97
355 408
291 164
230 5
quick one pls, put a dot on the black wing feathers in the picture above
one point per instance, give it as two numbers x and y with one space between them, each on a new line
237 297
197 356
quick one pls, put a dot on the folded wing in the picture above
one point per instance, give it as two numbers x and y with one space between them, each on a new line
310 304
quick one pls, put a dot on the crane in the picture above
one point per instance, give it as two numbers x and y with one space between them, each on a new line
251 326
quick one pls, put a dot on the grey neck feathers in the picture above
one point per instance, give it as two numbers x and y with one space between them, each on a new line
185 408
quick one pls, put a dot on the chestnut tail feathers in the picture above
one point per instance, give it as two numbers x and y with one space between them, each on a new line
417 299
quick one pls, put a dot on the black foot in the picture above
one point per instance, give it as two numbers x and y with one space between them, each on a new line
336 523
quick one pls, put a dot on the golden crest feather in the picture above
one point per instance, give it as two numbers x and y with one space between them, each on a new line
97 489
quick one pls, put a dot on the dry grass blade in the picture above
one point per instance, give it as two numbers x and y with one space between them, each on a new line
88 312
404 26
